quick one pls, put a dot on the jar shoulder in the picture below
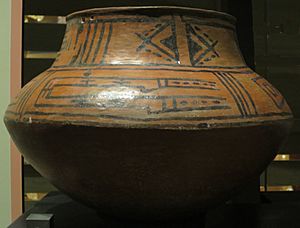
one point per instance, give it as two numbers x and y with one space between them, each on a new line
158 97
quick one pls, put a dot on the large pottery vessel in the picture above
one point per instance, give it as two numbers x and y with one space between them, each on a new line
149 113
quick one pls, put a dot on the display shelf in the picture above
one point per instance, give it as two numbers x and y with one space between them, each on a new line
278 209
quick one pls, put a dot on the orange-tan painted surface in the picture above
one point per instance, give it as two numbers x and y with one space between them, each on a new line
179 69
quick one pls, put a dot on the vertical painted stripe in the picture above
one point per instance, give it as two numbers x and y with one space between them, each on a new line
86 40
99 43
78 41
75 57
182 47
92 42
79 31
107 43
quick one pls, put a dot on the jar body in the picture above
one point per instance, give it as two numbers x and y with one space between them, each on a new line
149 112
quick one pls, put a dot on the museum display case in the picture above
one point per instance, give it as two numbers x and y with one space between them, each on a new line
267 31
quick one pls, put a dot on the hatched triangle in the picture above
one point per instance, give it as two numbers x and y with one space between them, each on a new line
194 47
170 43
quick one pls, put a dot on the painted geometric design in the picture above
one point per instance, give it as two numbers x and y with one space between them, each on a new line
239 93
160 41
93 49
201 46
153 99
160 71
128 93
272 92
151 40
18 106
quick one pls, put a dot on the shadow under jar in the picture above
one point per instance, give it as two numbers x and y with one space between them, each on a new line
149 113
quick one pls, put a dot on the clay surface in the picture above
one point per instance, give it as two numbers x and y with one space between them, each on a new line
149 113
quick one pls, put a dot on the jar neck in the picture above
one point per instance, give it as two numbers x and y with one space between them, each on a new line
143 40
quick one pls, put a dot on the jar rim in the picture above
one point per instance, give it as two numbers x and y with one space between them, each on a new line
164 9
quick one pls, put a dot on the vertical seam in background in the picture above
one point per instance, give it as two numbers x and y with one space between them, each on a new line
5 175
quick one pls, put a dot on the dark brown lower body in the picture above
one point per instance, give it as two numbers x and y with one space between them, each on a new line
149 174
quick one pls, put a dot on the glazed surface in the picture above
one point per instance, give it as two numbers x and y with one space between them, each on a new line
140 70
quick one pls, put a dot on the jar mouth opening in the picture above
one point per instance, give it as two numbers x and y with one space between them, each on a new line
154 9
